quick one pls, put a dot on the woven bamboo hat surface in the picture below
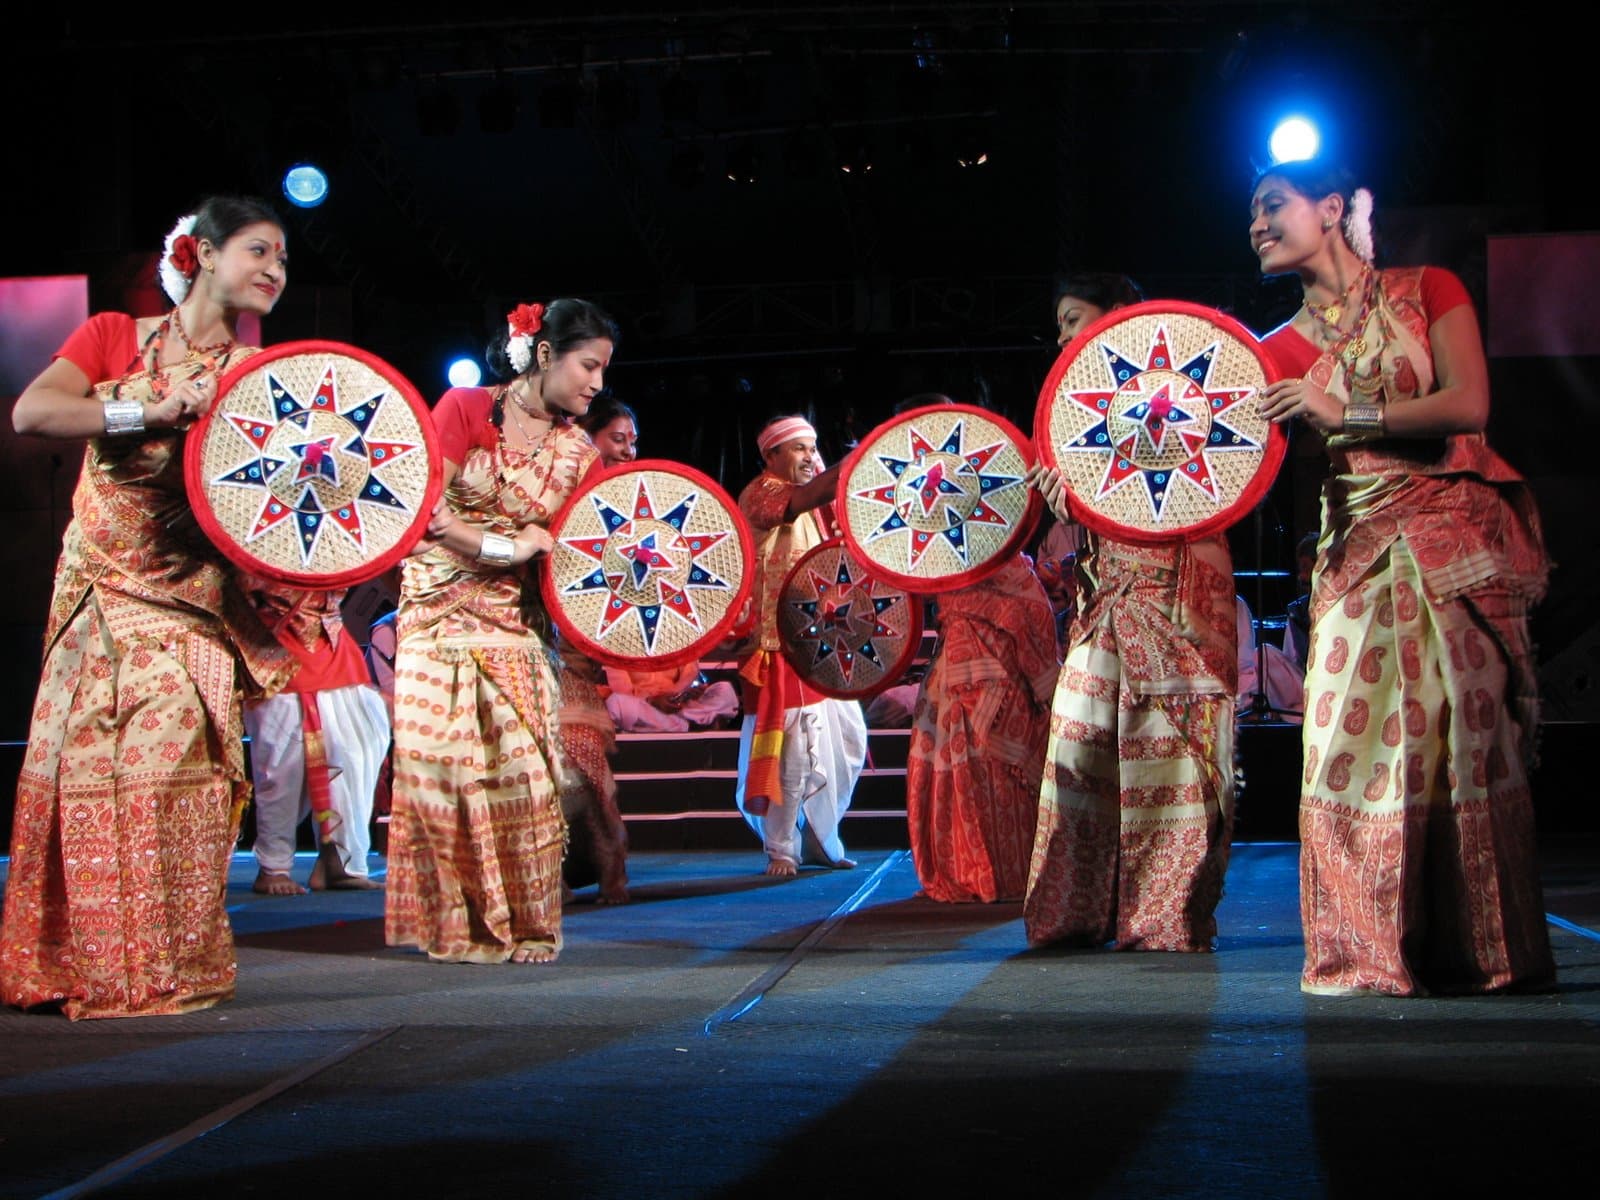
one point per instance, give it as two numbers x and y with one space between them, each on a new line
848 633
317 466
1150 416
933 499
651 565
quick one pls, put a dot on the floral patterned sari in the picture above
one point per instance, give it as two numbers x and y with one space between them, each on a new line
476 834
130 795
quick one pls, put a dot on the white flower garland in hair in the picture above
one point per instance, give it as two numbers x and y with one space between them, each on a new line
1358 225
519 351
522 323
173 281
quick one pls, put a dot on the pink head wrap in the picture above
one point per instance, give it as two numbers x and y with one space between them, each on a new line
784 430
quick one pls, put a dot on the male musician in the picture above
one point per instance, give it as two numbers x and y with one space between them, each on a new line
800 753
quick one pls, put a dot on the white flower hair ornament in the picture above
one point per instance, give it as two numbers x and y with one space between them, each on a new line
1358 225
180 260
522 324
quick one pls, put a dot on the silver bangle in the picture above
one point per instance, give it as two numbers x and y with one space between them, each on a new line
497 550
1363 420
124 416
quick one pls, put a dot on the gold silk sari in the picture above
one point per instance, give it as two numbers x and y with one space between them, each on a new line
129 798
476 834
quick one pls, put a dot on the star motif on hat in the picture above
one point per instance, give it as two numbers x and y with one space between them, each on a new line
326 464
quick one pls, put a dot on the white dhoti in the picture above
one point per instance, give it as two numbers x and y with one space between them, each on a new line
824 750
355 732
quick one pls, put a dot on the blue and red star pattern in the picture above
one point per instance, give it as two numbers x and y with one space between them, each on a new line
661 564
844 619
945 488
316 458
1160 406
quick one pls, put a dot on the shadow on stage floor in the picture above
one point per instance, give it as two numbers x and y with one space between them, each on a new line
726 1035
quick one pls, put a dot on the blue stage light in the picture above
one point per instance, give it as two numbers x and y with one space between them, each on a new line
305 186
464 373
1294 139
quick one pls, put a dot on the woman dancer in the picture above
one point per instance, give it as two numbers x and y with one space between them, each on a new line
978 734
599 847
130 796
1136 806
1417 867
476 833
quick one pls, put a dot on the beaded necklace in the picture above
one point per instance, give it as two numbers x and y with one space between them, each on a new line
199 351
1349 346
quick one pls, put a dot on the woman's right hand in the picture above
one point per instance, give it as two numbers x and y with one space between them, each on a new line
184 403
531 540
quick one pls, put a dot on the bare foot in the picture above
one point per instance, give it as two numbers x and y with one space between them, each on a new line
844 864
329 875
276 883
534 952
782 868
615 894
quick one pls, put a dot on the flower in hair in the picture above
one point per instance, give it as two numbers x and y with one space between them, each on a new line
179 259
522 323
1358 225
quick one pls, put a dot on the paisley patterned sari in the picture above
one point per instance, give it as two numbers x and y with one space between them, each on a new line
1417 866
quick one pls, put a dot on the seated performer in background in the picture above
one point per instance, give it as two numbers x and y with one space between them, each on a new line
800 753
674 700
317 746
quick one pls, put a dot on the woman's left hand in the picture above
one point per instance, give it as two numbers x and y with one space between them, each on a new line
1290 398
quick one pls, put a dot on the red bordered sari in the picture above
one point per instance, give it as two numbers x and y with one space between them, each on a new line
476 834
130 795
1417 868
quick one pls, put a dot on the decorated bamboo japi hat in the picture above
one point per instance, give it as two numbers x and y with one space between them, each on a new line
651 565
848 633
1151 417
934 499
317 466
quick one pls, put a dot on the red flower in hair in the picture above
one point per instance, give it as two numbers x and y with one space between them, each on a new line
526 320
183 255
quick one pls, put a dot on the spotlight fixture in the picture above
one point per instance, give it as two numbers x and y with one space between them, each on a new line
680 99
558 104
744 162
498 105
687 166
1295 138
438 113
305 185
464 373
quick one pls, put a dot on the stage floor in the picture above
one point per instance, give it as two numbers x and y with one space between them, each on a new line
836 1035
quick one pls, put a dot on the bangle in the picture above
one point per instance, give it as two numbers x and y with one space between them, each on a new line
124 416
497 550
1363 420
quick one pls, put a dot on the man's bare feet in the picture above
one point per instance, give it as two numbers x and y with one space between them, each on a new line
329 874
276 883
843 864
613 894
782 868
